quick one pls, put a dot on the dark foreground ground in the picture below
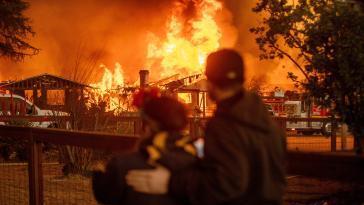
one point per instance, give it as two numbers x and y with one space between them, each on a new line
304 190
77 189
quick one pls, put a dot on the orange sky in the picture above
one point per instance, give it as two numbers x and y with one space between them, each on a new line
117 31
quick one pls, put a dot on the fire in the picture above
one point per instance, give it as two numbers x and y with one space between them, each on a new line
109 80
185 97
188 41
187 44
109 90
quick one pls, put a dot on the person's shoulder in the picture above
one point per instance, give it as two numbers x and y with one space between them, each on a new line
219 124
221 118
251 100
218 118
128 161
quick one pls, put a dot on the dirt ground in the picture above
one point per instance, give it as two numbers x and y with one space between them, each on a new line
75 190
303 190
318 143
58 190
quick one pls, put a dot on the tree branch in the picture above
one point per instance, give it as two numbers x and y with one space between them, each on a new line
300 47
292 59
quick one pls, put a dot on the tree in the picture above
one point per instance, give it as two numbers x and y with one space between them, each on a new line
327 38
14 30
256 84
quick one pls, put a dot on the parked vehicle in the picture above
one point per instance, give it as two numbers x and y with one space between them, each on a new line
15 105
297 109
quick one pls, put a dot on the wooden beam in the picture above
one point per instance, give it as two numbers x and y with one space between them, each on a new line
43 99
35 95
61 84
6 118
35 171
56 85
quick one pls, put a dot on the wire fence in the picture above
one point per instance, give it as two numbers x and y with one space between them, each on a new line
59 167
318 143
50 166
14 183
66 176
63 183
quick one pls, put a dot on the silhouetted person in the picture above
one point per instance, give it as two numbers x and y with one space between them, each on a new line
164 144
244 149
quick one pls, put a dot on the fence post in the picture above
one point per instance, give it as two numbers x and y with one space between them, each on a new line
192 128
35 171
344 129
333 134
282 123
138 126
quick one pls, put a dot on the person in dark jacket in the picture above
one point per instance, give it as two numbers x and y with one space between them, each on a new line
165 145
244 150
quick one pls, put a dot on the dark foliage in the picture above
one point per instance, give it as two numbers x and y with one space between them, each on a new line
15 30
327 38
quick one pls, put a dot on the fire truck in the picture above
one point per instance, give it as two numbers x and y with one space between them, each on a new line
281 107
298 109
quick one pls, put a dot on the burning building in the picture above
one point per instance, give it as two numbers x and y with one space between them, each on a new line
171 42
47 91
175 59
167 37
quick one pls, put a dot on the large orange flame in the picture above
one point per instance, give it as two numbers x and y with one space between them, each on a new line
109 90
187 44
183 51
109 80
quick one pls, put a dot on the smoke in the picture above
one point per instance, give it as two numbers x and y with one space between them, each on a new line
274 71
86 33
71 32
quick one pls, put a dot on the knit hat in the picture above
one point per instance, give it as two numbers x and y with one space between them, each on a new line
225 67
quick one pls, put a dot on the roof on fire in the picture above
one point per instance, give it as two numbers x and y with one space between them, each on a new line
190 83
45 79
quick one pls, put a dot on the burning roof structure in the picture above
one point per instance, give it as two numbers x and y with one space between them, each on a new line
45 90
176 59
175 55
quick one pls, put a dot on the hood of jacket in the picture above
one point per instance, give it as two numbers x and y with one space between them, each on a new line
247 108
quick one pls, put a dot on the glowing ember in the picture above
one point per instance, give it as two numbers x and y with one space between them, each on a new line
187 44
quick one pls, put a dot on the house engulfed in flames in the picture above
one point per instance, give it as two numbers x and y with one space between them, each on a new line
47 91
190 90
177 60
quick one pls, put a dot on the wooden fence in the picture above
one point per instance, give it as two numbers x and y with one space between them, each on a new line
36 136
334 166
